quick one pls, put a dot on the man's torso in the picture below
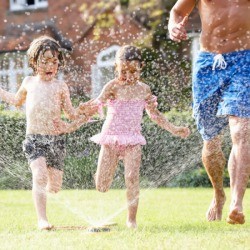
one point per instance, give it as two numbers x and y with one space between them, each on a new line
225 25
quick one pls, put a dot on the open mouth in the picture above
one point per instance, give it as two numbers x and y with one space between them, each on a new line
49 73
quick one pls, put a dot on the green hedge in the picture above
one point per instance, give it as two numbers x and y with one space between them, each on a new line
80 163
166 160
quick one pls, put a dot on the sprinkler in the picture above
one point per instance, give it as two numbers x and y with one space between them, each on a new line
101 228
98 229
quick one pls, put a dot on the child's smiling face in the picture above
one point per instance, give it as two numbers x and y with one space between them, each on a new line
129 71
47 65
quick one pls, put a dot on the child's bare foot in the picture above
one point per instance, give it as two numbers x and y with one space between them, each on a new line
215 209
44 225
131 224
236 217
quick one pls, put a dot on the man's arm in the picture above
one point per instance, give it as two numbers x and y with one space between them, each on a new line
178 19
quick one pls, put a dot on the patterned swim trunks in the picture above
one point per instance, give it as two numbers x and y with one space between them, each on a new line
221 87
51 147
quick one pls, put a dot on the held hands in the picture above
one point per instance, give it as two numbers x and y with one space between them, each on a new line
85 111
182 132
61 127
178 32
89 108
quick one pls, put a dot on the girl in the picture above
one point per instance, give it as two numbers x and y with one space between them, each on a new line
45 97
126 97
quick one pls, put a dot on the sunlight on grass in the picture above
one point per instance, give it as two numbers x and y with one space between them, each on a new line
167 219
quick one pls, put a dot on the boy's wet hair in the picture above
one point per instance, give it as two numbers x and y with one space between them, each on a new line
38 48
129 53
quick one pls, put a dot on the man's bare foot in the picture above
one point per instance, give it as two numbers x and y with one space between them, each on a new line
236 217
214 211
44 225
131 224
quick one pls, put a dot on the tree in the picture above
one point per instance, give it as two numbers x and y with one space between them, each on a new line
168 69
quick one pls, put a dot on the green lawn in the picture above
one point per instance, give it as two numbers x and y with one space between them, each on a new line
167 219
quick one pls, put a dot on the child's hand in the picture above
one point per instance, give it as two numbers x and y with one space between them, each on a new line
89 108
84 105
90 103
60 126
183 132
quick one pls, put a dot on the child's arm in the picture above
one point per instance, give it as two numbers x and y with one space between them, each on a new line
15 99
67 106
87 108
7 97
95 105
156 116
62 127
108 92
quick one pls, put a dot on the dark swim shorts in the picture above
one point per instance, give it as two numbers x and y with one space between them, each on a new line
51 147
221 87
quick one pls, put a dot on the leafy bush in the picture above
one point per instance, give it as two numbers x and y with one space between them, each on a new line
196 178
15 174
166 156
12 127
166 160
14 171
169 79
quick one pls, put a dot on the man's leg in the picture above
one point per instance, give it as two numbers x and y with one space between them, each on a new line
40 179
214 162
239 166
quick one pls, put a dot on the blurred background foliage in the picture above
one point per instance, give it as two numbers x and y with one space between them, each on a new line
166 160
167 67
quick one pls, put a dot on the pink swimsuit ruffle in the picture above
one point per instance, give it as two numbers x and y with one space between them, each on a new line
123 123
106 139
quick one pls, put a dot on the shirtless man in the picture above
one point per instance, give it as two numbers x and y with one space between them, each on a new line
221 93
45 98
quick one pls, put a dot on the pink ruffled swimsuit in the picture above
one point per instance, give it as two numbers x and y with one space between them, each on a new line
122 126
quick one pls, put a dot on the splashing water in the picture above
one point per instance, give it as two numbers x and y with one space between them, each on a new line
101 207
103 210
163 158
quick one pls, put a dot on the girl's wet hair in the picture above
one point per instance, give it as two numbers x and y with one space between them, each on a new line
38 48
129 53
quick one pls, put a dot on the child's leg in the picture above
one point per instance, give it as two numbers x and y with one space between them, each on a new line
107 163
132 162
55 179
40 179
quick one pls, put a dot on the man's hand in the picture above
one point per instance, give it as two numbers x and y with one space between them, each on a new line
178 32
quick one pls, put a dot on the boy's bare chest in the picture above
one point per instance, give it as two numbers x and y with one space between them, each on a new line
47 94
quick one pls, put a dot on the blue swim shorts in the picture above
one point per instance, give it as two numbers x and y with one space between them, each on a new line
221 88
